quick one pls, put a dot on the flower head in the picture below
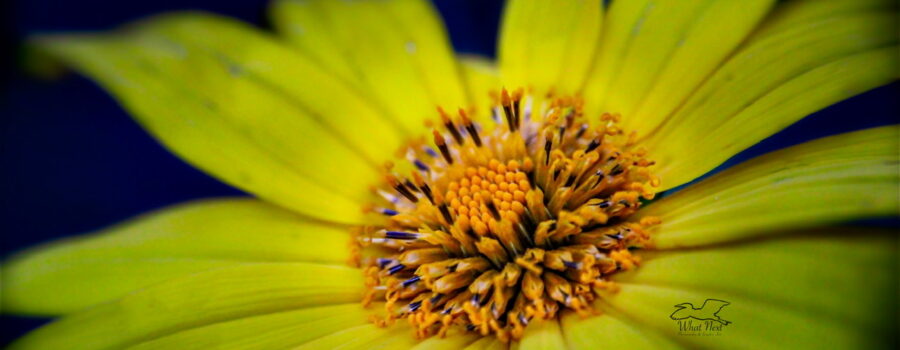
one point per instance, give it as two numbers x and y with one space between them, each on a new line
411 198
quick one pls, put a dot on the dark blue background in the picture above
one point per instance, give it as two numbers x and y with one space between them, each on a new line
73 161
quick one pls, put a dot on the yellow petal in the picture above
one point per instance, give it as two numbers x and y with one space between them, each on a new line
280 330
225 114
74 273
481 77
279 70
548 45
771 84
368 336
607 331
453 341
793 293
397 51
789 14
837 178
542 334
197 300
712 36
656 52
487 343
814 273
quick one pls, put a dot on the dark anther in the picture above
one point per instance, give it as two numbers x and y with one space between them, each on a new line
445 212
427 191
401 235
493 209
547 145
410 281
415 306
396 268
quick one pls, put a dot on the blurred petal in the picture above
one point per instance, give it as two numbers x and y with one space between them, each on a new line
836 292
789 14
548 45
771 83
198 300
487 343
396 50
71 274
821 268
281 330
368 336
241 107
542 334
657 52
843 177
609 332
481 77
453 341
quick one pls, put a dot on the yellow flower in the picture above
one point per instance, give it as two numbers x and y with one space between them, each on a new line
574 255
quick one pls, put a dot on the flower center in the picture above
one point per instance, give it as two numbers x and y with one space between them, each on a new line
508 222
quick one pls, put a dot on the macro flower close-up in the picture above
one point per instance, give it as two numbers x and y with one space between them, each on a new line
578 191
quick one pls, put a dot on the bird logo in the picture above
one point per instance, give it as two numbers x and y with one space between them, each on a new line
708 312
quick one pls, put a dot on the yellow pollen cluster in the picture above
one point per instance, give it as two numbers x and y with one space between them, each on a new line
497 225
504 184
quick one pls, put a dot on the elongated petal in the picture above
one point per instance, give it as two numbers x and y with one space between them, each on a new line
72 274
487 343
645 99
240 107
452 341
842 177
608 331
548 45
278 69
481 78
197 300
397 50
654 53
771 83
790 14
281 330
542 334
812 292
366 336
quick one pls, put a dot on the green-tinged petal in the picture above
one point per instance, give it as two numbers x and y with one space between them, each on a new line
279 70
820 272
548 45
397 50
542 334
368 336
770 84
798 293
230 114
74 273
481 78
487 343
848 176
281 330
198 300
453 341
789 14
608 331
713 35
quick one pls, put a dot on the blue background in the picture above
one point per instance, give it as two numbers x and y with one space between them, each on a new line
73 161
